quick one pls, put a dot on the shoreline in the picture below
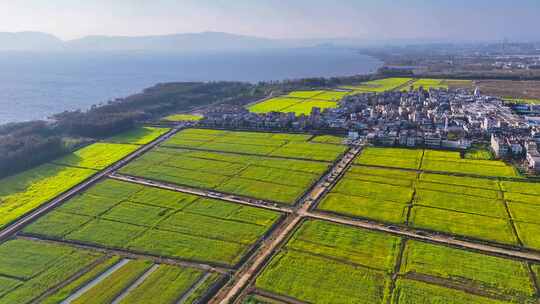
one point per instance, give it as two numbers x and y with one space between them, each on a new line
74 89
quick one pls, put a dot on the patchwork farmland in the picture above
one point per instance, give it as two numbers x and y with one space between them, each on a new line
215 216
380 268
146 220
439 191
58 273
266 166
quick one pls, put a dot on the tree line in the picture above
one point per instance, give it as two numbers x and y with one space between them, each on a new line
24 145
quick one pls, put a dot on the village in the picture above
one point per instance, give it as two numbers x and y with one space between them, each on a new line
439 118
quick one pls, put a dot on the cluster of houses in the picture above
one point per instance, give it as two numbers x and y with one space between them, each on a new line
438 118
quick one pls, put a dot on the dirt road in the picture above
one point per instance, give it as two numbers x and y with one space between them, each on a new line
203 193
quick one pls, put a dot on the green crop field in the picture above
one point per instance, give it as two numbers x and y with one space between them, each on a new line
442 155
112 286
523 205
257 299
428 84
277 176
479 208
395 174
267 180
299 102
328 139
464 224
528 188
310 267
258 189
460 203
381 85
320 262
524 212
363 207
389 84
474 167
288 105
165 285
62 294
156 221
365 174
479 153
278 104
97 156
139 136
372 193
304 94
374 190
182 117
292 166
331 95
313 279
198 292
390 157
26 191
433 160
528 234
260 144
472 182
451 162
306 106
348 244
30 268
416 292
495 275
459 190
310 151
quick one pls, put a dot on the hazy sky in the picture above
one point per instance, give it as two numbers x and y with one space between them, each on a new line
373 19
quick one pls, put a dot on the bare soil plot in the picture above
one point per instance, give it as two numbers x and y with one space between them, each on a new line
510 88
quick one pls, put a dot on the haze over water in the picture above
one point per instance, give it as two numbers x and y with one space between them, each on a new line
36 85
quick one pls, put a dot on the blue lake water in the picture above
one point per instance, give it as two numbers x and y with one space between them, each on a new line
36 85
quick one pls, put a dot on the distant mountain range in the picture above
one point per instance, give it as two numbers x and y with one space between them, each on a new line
205 41
29 41
189 42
